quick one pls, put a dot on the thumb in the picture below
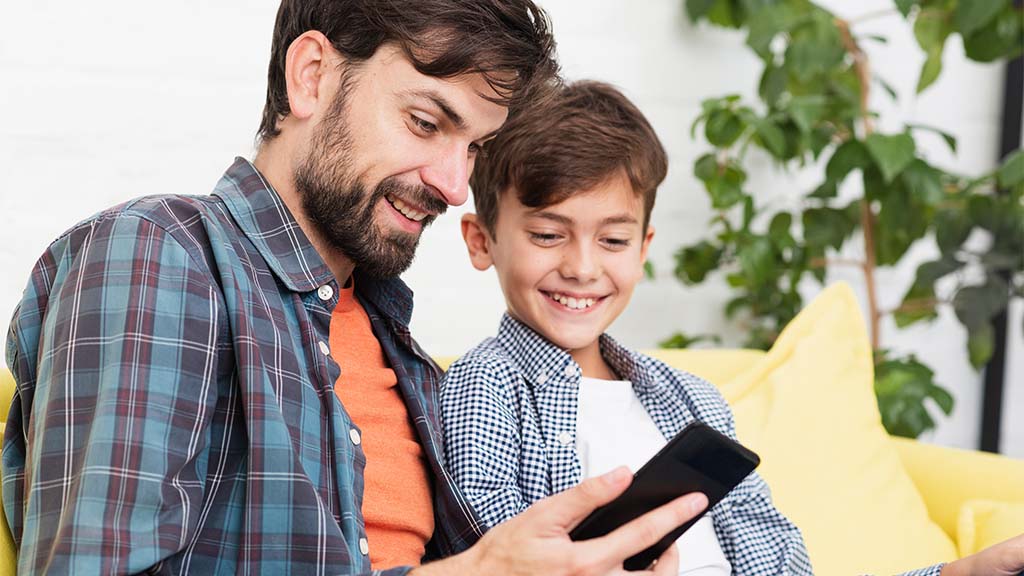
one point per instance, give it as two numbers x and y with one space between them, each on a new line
569 508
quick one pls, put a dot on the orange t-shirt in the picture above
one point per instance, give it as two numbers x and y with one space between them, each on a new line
397 503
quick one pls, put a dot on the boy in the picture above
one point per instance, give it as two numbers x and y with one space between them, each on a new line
563 203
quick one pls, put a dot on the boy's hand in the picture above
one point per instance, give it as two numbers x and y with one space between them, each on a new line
1003 559
537 541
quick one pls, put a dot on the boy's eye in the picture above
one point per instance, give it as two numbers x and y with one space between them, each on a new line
423 125
617 242
544 238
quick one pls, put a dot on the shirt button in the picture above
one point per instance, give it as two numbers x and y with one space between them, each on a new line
570 371
565 438
325 292
542 378
353 434
364 546
324 348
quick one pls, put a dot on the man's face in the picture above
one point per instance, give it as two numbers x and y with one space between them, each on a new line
393 151
568 270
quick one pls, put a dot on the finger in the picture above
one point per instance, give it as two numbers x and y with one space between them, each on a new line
639 534
566 509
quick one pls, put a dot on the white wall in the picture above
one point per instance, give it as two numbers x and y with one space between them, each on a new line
142 98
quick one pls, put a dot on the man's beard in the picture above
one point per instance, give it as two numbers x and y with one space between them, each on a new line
344 212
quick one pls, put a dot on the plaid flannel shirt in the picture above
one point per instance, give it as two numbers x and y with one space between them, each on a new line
175 408
509 410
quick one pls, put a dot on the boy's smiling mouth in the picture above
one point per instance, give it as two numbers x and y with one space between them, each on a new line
573 302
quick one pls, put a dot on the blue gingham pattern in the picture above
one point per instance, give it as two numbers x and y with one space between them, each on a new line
175 409
509 410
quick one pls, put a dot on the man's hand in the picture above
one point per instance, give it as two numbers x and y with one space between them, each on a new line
537 541
1003 559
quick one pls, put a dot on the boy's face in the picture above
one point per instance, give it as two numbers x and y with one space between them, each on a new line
567 270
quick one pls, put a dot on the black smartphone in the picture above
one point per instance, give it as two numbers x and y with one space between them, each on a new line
697 459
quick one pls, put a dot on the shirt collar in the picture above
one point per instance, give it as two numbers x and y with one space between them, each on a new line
270 226
542 362
266 221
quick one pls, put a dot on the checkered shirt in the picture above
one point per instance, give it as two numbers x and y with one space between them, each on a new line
175 408
510 401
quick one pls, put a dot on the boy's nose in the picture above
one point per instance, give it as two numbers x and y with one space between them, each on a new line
580 264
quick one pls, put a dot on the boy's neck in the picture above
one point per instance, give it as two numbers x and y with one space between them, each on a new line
592 364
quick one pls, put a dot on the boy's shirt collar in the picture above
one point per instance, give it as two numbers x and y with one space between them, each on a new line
541 362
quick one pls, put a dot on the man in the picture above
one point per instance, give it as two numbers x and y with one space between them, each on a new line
227 383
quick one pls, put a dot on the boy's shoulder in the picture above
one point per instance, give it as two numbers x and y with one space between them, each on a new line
487 362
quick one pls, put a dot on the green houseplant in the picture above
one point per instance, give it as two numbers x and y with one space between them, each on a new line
812 106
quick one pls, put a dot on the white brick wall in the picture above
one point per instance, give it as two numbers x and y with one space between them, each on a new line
139 98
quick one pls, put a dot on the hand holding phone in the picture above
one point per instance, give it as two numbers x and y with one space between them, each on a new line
697 459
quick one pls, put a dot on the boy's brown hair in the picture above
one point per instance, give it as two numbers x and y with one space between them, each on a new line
569 141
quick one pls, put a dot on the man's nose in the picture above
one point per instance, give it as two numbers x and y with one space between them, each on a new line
449 174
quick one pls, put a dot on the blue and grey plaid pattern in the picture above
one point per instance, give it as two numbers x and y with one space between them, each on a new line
509 409
175 408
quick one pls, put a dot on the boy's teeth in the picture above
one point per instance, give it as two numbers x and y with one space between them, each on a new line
573 303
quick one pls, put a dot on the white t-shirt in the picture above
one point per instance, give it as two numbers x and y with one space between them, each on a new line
612 429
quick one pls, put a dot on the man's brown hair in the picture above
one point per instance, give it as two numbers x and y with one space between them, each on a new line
574 139
508 41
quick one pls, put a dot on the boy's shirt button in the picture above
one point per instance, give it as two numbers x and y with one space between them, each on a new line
542 377
565 438
570 371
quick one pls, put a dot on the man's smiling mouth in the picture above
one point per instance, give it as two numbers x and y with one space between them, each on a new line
404 209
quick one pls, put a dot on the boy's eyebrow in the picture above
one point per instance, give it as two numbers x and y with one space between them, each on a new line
562 219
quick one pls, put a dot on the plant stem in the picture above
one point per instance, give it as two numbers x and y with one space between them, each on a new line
867 217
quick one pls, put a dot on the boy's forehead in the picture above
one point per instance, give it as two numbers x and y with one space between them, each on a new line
612 201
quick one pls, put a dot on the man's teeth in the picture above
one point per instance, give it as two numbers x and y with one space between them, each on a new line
574 303
406 211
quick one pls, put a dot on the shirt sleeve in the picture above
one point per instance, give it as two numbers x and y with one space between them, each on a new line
105 457
483 440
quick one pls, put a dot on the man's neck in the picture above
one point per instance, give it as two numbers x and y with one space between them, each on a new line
274 161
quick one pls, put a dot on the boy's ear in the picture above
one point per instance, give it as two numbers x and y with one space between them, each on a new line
647 243
478 242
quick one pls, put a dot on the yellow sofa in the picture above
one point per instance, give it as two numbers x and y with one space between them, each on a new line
824 353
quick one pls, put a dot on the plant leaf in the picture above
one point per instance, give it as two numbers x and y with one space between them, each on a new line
693 263
849 156
981 342
1001 38
904 6
891 153
772 137
723 128
975 306
1012 171
923 182
697 9
972 15
930 70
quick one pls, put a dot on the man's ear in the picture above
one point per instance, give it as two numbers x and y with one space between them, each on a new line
307 64
478 241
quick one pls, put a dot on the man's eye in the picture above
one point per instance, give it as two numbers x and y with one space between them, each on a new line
423 125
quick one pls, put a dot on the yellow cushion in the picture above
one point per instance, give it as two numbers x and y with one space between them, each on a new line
808 408
984 523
